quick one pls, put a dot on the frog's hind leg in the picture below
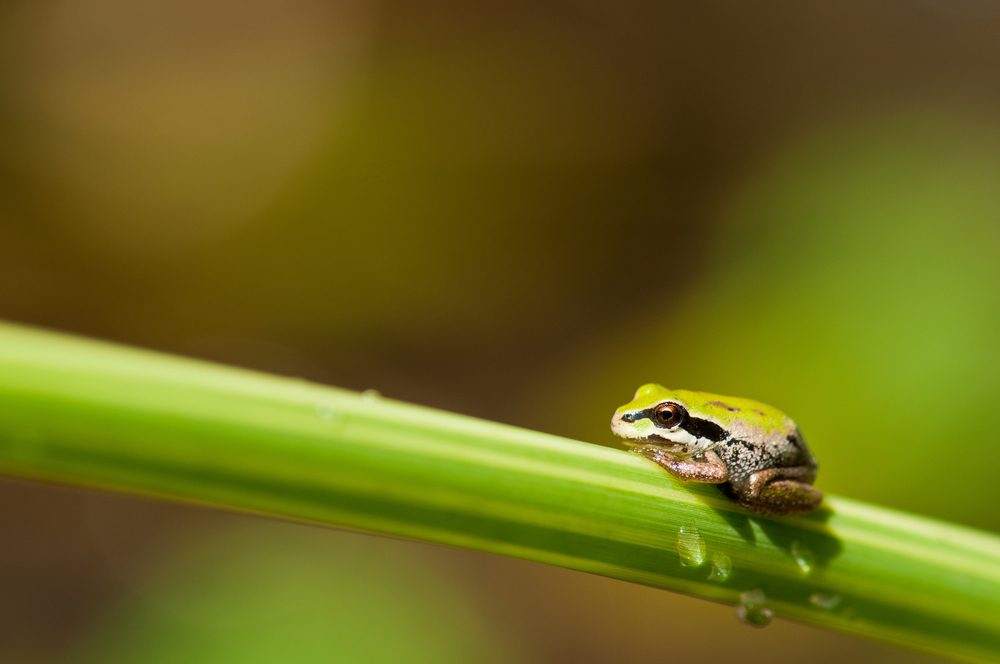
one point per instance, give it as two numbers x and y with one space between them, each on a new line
782 491
786 497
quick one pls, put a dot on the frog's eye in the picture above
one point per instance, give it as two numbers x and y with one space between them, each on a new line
669 414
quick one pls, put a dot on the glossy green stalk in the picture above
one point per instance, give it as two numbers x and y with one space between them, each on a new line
99 415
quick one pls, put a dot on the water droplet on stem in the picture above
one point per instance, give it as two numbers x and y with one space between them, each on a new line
691 547
325 411
722 568
751 609
828 601
803 557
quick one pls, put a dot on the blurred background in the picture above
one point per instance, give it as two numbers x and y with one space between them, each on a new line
519 211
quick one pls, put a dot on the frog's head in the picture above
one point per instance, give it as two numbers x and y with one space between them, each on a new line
679 421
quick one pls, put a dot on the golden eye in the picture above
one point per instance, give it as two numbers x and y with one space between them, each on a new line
669 414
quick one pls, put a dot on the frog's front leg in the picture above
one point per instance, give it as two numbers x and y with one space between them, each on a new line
781 491
709 469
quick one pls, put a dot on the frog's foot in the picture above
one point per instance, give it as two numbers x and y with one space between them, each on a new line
784 497
782 491
654 453
709 469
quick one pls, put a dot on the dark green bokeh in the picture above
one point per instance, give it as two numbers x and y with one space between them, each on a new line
276 592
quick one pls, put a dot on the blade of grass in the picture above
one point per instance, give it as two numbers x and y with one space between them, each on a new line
98 415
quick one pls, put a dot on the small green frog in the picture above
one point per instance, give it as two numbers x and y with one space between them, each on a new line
755 452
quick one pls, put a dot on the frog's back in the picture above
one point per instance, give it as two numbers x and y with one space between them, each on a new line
743 458
760 436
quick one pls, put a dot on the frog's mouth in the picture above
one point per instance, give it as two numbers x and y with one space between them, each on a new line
668 446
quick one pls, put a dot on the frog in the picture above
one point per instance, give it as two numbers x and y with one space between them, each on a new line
754 452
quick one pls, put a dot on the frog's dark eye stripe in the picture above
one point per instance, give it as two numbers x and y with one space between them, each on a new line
693 425
704 429
644 414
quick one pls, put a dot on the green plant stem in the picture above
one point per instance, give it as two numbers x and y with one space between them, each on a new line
92 414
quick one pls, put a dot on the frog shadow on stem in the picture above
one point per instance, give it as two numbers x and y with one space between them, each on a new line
820 546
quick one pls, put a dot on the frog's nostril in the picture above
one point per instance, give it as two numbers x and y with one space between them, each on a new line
628 417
